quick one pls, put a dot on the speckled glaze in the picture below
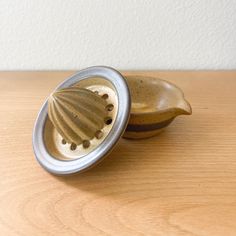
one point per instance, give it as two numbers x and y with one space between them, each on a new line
155 104
87 114
77 114
82 120
80 117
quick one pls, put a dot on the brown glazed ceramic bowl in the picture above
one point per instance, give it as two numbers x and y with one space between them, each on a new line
155 104
86 115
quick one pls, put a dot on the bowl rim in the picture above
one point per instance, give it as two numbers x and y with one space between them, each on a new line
157 112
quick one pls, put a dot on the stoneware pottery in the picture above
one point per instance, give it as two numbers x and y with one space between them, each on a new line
155 104
83 119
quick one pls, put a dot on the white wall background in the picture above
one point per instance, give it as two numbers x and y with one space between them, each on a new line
126 34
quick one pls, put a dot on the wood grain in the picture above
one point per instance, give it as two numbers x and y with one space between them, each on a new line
182 182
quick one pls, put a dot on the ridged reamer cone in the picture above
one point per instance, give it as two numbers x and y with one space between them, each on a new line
77 113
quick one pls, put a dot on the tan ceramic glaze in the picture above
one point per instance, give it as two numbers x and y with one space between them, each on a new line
80 118
155 103
80 115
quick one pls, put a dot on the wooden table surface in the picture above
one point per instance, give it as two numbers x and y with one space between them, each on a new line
182 182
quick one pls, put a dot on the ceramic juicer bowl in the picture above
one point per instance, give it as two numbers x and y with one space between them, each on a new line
155 104
86 115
